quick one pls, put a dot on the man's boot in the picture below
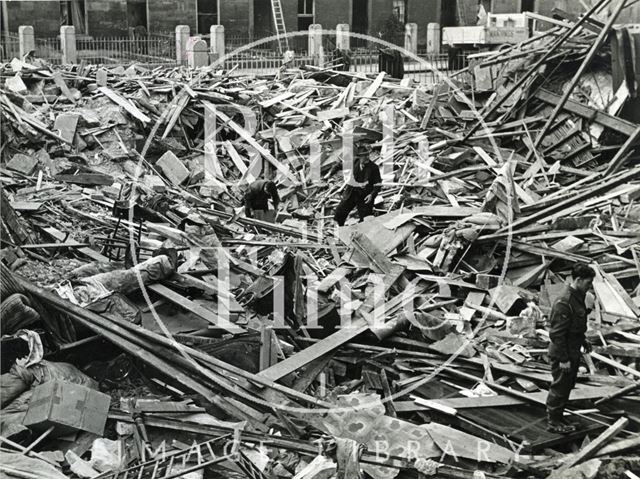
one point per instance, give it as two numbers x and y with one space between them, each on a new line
556 424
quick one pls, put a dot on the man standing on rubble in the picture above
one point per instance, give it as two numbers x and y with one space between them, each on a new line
362 187
567 328
256 200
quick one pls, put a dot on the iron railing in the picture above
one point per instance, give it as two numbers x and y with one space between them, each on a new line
152 50
156 49
49 49
148 50
9 46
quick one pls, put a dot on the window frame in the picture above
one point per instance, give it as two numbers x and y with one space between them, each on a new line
400 5
305 13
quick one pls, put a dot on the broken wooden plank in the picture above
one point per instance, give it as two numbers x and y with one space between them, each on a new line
372 89
578 394
590 449
332 278
192 307
246 136
612 122
124 103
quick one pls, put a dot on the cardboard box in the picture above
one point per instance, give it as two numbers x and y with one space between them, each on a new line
67 406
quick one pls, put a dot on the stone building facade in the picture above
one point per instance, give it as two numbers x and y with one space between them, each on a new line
252 18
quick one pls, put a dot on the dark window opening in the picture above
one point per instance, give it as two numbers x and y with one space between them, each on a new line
360 16
137 15
207 15
527 6
305 14
304 23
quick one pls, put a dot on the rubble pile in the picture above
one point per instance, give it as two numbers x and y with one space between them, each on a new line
151 329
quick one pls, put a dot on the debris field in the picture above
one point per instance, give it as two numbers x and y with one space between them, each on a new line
150 329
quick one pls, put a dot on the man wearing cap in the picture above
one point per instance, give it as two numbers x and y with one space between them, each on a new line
362 188
256 199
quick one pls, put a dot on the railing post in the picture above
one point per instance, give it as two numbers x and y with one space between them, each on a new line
182 37
217 42
315 44
197 55
433 38
27 40
411 38
342 37
68 44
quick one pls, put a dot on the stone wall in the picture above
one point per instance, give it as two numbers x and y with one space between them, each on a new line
43 16
165 15
107 18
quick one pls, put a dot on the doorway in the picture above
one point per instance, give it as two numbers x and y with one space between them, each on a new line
360 16
262 19
448 9
137 15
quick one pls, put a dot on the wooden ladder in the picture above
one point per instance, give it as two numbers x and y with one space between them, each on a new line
281 30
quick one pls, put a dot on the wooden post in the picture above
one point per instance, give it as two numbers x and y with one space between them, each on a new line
27 40
182 36
68 44
267 350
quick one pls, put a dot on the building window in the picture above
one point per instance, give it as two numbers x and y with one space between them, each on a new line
305 14
305 7
400 10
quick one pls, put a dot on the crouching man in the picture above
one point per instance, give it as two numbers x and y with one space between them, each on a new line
256 200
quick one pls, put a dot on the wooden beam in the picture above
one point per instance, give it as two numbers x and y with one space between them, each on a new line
18 233
600 117
502 400
533 69
568 90
192 307
579 197
616 364
246 136
618 160
304 357
126 104
593 447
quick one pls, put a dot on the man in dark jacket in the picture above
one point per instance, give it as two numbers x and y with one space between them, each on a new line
567 328
362 188
256 199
